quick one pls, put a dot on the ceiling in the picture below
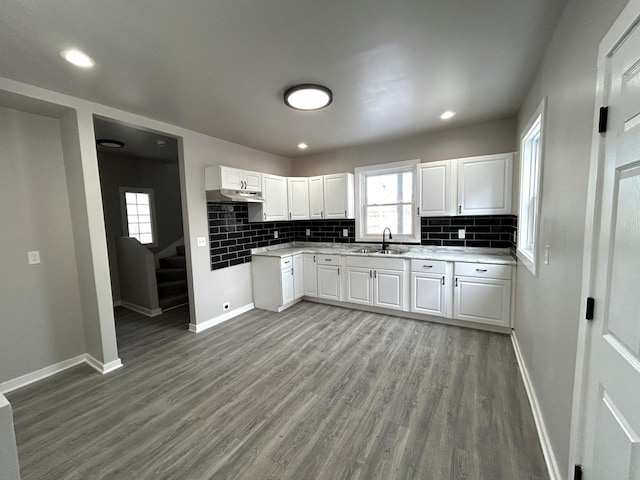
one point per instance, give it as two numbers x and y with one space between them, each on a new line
220 66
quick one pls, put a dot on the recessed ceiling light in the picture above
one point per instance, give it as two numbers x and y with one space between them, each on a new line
447 115
108 143
302 146
308 97
161 143
78 58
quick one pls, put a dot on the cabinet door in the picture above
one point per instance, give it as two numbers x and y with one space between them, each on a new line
310 275
483 300
274 190
316 197
484 185
298 276
298 195
231 178
428 294
336 196
252 181
435 187
287 285
329 282
388 289
359 285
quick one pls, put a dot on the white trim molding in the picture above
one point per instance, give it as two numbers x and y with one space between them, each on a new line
29 378
200 327
143 310
545 441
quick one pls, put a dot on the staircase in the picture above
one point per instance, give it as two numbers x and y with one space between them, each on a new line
172 280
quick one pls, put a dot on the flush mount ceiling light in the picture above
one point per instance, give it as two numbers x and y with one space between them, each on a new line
447 115
302 146
78 58
161 143
108 143
308 97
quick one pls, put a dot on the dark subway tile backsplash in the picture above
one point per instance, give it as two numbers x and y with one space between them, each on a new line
232 236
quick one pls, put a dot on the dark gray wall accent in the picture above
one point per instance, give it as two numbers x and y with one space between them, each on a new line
494 231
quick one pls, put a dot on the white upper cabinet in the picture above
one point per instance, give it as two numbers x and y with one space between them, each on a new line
274 191
221 177
339 196
437 189
316 197
484 185
298 195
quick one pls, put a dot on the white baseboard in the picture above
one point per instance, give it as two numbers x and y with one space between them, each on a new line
116 303
200 327
143 310
29 378
545 441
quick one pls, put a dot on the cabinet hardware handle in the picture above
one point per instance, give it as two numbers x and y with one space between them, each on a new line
456 282
370 273
481 269
314 259
427 266
345 214
245 185
375 274
322 213
418 211
338 270
327 260
289 214
443 280
292 271
265 215
287 261
459 209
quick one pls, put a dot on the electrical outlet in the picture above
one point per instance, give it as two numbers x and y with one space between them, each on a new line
546 254
515 237
307 232
345 232
34 257
461 232
225 306
275 234
202 241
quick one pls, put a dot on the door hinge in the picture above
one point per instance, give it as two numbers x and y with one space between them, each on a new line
577 472
602 122
590 306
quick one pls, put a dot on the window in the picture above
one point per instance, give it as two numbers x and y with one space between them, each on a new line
385 198
138 214
531 150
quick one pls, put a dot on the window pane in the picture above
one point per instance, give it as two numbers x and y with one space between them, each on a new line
143 210
132 209
133 228
130 197
146 238
389 188
145 228
396 217
143 198
132 219
144 219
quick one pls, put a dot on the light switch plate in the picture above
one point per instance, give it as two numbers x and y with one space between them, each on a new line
275 234
461 232
307 232
546 254
345 232
202 241
34 257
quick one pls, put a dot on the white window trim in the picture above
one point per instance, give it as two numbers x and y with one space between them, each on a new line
359 191
152 208
529 258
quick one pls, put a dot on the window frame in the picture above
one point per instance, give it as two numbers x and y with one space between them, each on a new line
527 246
360 193
152 212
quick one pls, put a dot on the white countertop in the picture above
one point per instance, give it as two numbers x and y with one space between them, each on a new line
500 256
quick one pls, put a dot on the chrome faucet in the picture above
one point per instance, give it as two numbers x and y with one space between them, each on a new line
384 242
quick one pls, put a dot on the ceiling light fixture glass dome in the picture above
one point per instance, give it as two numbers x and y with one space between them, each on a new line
308 97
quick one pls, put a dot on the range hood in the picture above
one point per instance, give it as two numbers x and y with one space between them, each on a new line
225 195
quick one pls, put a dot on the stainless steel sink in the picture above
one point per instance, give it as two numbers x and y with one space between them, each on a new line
389 252
363 250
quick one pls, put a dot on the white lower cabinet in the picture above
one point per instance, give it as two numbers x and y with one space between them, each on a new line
431 287
375 281
388 289
329 279
287 284
482 293
359 281
298 276
310 284
270 294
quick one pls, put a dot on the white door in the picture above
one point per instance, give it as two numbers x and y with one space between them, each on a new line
611 421
359 285
335 196
252 181
428 294
484 185
435 189
298 276
310 275
274 191
483 300
329 282
298 193
387 289
231 178
316 197
287 285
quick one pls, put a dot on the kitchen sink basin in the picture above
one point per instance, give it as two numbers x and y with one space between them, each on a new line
389 252
363 250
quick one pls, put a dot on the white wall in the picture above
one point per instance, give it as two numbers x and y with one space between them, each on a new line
469 141
40 305
547 307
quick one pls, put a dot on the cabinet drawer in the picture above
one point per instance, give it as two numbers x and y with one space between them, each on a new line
328 259
486 270
286 262
428 266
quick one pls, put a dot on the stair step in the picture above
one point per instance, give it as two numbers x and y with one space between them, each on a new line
174 300
172 287
180 250
173 262
168 274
